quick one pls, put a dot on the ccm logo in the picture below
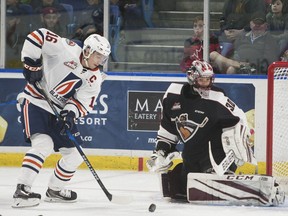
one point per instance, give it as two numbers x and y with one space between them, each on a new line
30 68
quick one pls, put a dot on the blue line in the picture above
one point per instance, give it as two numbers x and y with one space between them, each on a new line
160 74
9 103
10 70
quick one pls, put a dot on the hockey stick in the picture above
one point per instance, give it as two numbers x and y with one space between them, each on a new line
225 163
112 198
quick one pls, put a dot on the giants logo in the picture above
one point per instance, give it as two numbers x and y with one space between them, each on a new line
187 128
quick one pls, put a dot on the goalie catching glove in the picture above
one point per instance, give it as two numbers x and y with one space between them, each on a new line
160 161
237 139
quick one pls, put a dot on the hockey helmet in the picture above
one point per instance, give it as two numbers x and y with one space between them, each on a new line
96 43
200 69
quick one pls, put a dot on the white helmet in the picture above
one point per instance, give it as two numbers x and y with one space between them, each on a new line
97 43
199 69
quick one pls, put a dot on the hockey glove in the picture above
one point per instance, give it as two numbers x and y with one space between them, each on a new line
32 70
67 122
160 161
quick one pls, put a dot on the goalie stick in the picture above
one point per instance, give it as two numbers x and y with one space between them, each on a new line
112 198
225 163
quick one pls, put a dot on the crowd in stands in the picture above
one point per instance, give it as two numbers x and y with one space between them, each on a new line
251 35
73 19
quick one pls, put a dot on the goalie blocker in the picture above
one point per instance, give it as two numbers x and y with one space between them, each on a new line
230 189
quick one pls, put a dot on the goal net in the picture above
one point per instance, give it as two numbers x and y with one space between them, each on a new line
277 123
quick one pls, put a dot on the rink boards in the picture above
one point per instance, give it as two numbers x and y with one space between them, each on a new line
120 133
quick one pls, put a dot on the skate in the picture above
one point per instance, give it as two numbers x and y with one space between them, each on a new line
63 195
23 197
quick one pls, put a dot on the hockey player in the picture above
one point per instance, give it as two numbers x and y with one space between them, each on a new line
196 114
71 77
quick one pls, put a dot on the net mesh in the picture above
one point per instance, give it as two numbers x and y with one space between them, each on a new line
280 126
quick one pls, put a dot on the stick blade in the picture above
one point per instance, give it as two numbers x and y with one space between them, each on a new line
224 165
121 199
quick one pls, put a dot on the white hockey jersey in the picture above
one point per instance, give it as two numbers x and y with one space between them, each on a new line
69 85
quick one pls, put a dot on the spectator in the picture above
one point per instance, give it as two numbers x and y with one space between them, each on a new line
90 20
132 14
17 27
50 19
243 8
193 47
284 57
277 20
235 20
40 5
254 51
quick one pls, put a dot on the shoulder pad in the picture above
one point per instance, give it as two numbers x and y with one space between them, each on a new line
174 88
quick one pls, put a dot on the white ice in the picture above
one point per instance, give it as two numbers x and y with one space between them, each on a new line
142 186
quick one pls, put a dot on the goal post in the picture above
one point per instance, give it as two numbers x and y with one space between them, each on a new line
277 123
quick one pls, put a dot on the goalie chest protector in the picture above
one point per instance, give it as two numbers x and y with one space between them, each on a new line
205 188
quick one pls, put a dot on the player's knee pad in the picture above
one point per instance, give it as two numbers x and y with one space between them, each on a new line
71 158
172 183
43 144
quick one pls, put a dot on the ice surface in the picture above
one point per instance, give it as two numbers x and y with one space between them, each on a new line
142 186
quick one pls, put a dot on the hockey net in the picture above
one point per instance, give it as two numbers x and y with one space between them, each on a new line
277 123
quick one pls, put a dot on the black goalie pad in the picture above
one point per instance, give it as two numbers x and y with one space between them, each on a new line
173 185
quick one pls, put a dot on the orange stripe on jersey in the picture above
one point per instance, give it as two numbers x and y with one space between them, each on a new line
33 92
26 119
62 175
33 162
36 38
80 107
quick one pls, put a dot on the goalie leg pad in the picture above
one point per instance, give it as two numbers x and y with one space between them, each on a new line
254 190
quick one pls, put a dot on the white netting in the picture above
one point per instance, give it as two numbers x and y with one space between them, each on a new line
280 126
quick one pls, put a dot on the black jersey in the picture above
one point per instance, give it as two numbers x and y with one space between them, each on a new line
196 120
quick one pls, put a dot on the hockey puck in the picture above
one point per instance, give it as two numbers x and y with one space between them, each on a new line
152 207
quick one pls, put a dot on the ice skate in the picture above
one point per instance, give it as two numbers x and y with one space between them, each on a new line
23 197
63 195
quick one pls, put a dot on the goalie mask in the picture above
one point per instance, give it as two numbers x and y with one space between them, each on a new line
200 75
96 43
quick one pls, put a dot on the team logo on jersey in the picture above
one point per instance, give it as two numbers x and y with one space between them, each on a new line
66 88
187 128
176 106
70 42
71 64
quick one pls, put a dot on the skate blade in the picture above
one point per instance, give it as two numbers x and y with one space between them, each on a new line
58 200
23 203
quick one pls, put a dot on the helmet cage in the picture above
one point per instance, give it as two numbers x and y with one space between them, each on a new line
200 69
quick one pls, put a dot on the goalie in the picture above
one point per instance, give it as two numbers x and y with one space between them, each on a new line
216 140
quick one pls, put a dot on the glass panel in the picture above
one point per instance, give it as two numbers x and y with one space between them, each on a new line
153 35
